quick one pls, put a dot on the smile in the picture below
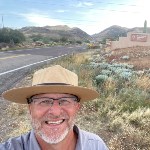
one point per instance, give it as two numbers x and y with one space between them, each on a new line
55 122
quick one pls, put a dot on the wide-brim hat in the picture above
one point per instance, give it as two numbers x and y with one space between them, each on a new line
55 79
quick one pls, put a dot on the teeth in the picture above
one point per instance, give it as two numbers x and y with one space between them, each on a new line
55 122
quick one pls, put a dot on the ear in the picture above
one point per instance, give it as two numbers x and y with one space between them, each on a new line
79 106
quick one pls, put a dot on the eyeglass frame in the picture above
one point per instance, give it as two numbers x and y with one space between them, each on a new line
30 100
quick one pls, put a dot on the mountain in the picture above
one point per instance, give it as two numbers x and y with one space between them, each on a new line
56 32
75 34
113 32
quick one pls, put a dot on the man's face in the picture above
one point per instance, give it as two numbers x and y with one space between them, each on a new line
52 120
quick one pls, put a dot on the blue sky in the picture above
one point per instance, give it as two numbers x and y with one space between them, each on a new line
92 16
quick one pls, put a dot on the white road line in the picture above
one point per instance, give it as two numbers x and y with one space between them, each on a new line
3 73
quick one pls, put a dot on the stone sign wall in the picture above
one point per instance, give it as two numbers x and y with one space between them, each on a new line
132 39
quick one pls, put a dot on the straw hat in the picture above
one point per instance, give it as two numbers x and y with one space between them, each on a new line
55 79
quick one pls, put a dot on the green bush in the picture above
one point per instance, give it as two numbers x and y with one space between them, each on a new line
101 79
8 35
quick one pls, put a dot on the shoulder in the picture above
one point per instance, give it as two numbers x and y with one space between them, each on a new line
91 137
16 142
90 141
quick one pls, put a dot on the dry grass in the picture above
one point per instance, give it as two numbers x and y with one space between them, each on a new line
16 110
143 82
142 63
23 127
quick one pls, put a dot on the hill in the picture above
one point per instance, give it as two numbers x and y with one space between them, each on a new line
76 34
57 32
113 32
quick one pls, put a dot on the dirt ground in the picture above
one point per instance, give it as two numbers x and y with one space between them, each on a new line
137 56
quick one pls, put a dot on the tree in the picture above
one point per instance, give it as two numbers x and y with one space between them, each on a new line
8 35
16 36
63 39
37 37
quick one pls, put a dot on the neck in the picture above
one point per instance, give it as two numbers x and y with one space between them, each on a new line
69 143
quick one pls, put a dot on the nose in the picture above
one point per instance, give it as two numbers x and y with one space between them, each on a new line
55 109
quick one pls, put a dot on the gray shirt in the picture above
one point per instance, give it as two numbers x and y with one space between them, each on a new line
86 141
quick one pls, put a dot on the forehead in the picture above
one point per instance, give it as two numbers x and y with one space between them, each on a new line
53 95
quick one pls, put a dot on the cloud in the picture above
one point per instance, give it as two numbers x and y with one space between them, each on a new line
123 15
61 11
96 19
83 4
41 19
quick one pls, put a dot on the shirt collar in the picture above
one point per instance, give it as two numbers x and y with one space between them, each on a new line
37 146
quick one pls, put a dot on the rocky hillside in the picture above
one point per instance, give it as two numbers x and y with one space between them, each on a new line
112 32
63 31
57 32
115 31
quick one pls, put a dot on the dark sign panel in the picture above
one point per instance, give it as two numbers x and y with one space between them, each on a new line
139 37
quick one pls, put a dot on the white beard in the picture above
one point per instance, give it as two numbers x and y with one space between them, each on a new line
53 139
51 136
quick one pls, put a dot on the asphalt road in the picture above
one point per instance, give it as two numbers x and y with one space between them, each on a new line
16 64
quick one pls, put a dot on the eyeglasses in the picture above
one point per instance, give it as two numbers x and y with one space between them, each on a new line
48 102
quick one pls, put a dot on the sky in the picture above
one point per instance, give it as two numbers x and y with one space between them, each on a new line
91 16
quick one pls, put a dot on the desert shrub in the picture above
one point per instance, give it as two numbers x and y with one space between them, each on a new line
106 72
139 118
125 57
8 35
101 79
131 99
130 139
120 70
143 82
125 75
94 64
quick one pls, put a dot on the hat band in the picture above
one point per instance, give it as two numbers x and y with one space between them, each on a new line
52 84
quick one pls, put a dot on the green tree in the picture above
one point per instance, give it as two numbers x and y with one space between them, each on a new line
16 36
37 37
63 39
8 35
79 42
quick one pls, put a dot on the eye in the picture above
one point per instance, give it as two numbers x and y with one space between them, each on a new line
46 102
64 102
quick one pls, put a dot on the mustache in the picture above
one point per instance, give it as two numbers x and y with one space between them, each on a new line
52 117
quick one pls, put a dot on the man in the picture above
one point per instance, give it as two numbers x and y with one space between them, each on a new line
54 100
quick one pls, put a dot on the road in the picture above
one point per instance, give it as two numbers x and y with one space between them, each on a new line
16 64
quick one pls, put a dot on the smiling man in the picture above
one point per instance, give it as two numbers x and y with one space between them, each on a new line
53 118
54 100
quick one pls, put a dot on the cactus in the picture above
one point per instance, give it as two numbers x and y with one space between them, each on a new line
145 27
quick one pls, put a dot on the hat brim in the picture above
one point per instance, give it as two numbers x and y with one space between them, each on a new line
20 95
